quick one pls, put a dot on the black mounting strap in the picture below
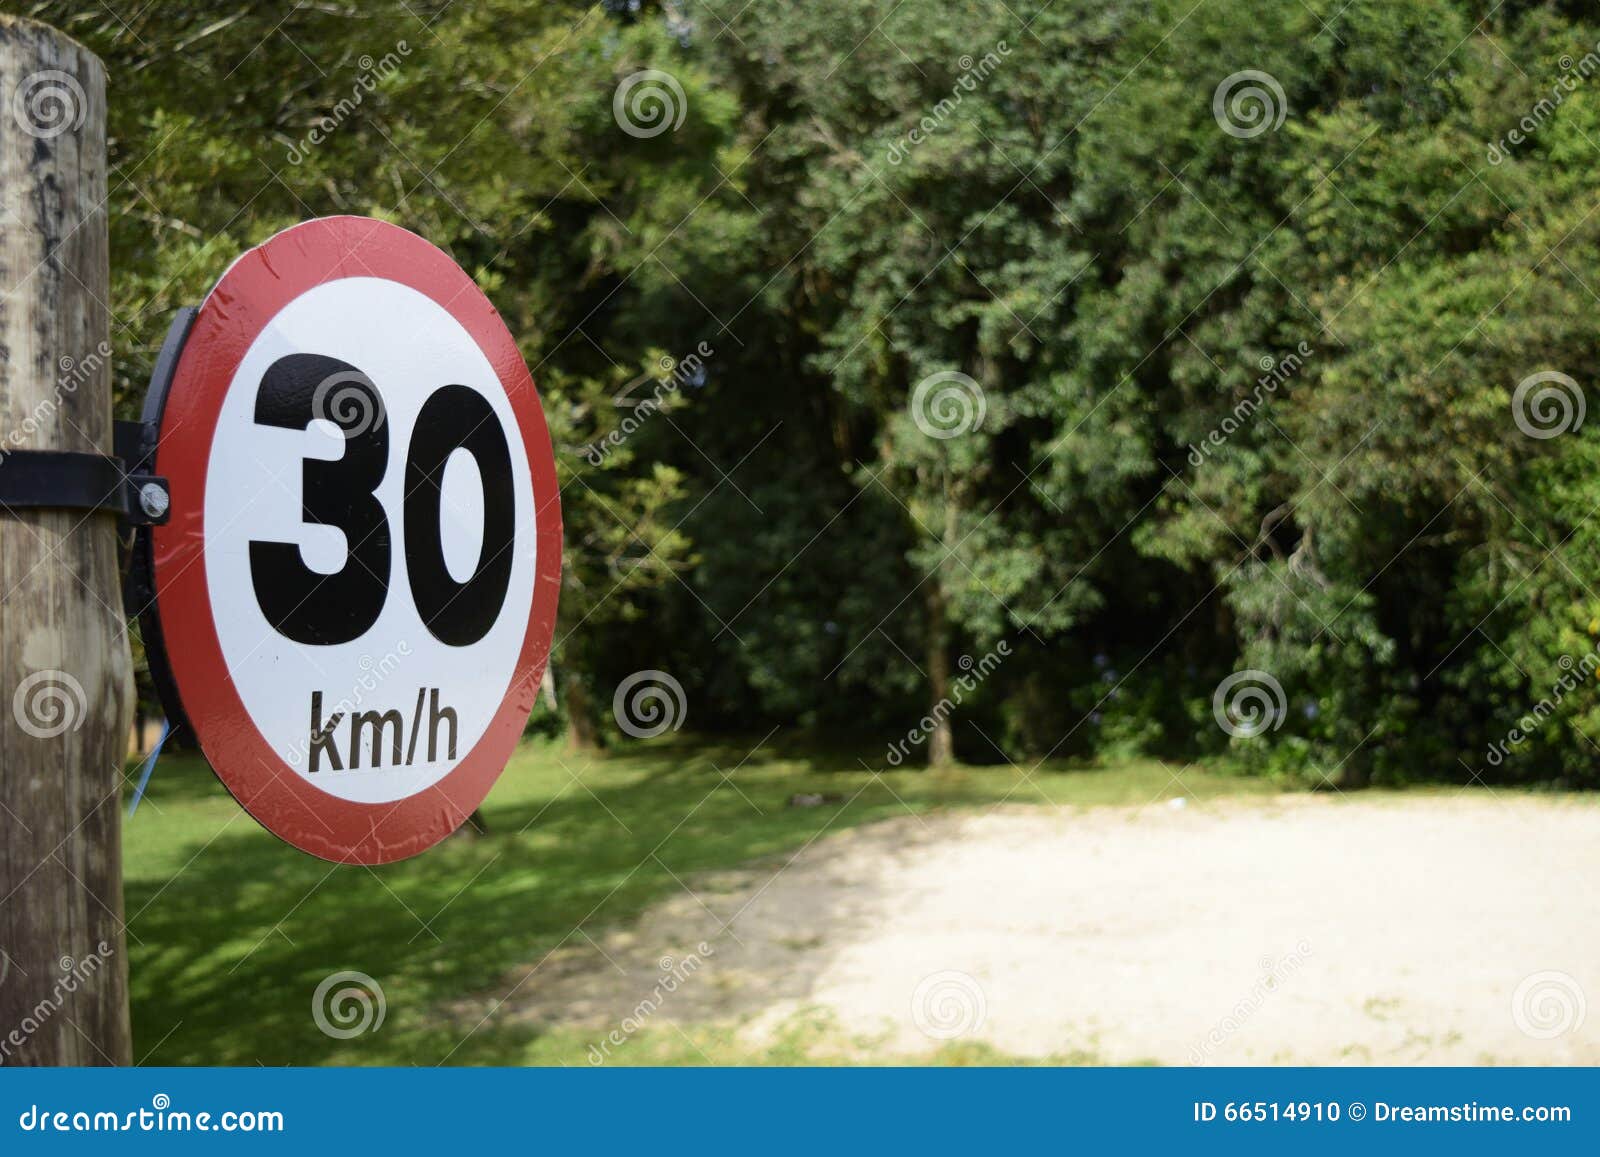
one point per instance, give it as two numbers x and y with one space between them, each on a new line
75 480
148 498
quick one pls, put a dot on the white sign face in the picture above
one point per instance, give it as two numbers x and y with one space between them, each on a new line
356 589
338 710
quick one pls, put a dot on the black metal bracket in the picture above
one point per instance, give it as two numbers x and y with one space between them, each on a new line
76 480
149 497
138 447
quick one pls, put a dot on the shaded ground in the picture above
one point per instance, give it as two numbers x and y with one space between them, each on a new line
1379 929
231 932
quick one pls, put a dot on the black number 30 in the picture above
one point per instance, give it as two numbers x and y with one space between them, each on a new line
311 607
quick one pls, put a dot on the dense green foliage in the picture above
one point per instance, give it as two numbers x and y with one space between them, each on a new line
1247 396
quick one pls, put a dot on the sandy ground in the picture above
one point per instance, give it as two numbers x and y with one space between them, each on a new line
1292 930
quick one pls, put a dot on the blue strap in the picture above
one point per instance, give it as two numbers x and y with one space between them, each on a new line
149 767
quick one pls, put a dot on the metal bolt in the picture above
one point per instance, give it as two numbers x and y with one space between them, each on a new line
153 499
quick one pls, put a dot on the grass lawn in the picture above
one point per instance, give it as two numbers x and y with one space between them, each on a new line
230 931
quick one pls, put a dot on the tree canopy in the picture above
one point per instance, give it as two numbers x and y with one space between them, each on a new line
1013 373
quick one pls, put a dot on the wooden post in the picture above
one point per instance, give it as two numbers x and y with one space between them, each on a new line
66 689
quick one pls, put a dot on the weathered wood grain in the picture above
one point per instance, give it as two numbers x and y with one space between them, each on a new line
65 676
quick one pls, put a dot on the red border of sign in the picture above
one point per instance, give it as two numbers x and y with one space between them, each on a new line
253 291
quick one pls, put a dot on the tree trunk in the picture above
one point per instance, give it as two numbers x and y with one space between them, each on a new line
474 826
547 686
1352 776
583 728
66 676
941 740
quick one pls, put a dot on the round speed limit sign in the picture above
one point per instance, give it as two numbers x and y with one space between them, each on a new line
356 589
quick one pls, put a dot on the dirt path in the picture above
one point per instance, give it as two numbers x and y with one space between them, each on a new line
1296 930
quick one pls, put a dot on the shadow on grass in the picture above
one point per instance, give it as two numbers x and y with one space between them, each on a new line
231 931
